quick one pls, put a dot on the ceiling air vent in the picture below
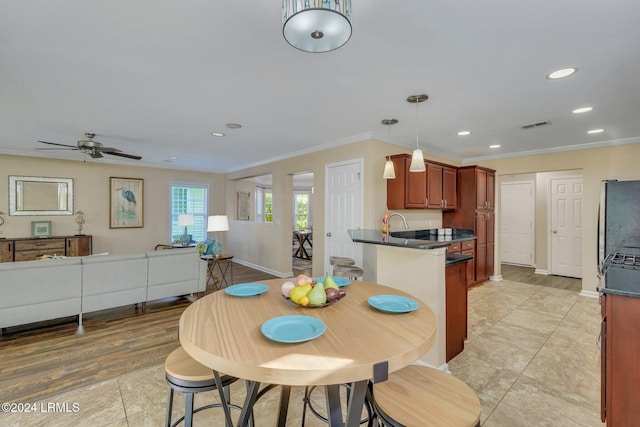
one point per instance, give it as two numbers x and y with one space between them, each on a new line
535 125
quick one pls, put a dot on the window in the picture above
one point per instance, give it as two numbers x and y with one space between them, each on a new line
189 198
264 204
302 209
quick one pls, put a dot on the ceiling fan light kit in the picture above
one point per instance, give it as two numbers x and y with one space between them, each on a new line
323 28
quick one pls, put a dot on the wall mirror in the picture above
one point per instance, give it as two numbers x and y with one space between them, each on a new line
32 195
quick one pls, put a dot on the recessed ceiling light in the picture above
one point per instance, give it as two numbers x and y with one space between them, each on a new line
596 131
173 158
564 72
234 125
494 146
217 133
582 110
464 133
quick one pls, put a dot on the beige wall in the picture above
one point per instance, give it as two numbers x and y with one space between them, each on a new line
595 165
91 195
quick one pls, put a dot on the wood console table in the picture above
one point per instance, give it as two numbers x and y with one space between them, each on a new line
31 248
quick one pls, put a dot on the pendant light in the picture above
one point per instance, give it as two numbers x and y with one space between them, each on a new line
389 169
417 159
314 26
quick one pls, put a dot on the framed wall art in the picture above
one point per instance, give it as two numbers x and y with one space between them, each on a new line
126 203
40 228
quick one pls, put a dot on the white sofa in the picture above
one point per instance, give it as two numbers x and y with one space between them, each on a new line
33 291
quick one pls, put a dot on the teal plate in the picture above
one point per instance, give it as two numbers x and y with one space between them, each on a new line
393 303
340 281
293 328
246 289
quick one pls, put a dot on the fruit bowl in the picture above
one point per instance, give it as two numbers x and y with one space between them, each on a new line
313 305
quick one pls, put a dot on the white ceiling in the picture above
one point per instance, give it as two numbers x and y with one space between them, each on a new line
155 78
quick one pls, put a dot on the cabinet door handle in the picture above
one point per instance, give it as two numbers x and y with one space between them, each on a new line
426 202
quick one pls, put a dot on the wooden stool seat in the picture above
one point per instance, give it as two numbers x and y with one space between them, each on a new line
339 260
350 271
419 396
185 374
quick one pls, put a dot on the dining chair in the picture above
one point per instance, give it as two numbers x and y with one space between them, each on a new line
186 375
420 396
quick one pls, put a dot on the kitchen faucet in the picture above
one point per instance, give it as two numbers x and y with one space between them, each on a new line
404 220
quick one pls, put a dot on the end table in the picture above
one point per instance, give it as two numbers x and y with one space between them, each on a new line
227 267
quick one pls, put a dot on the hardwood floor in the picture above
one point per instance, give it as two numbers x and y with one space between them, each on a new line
40 360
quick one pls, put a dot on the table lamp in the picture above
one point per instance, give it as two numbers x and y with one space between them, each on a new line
218 223
185 220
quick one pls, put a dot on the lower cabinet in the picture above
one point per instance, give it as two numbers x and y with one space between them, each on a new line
620 360
456 308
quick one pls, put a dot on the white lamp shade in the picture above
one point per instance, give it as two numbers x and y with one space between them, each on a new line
417 162
316 29
218 223
389 170
185 219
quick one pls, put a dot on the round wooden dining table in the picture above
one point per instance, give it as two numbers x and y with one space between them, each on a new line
360 343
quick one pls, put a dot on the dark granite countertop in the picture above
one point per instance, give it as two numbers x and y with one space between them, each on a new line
453 259
414 239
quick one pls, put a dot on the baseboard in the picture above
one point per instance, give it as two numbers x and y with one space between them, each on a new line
590 294
543 272
263 269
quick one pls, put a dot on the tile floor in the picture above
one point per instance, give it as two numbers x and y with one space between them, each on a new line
531 357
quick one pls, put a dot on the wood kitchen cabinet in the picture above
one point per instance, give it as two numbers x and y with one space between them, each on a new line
408 190
436 188
441 186
31 248
456 308
620 360
476 203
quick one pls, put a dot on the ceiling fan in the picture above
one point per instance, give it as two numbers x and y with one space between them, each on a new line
93 148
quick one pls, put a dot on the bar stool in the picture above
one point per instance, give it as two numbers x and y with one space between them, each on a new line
185 374
345 267
308 403
419 396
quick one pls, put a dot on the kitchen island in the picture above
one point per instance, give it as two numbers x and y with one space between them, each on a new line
413 261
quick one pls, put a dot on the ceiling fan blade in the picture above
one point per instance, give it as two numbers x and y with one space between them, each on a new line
109 150
55 143
120 154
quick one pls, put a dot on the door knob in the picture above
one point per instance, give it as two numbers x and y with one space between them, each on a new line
328 234
555 231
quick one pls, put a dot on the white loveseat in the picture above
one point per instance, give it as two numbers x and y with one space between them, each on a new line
33 291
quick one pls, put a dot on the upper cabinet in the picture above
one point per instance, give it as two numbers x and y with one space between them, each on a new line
485 180
434 189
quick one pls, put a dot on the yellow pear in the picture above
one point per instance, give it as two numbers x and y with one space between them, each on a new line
317 296
298 292
330 283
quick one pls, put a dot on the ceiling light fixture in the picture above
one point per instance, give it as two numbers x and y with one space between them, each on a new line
494 146
417 159
592 131
464 133
564 72
316 29
582 110
233 125
218 134
389 169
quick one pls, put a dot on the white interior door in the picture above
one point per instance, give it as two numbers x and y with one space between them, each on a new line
566 227
343 210
516 222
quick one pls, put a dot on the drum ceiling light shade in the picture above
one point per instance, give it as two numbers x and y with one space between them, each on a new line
316 26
